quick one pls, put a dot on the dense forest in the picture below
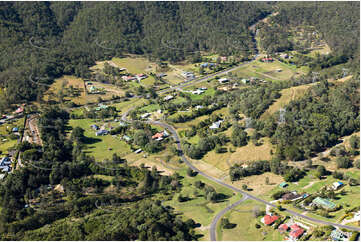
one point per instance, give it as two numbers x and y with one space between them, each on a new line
338 23
28 203
49 39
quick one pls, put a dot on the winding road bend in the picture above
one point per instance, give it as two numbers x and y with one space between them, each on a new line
213 227
235 189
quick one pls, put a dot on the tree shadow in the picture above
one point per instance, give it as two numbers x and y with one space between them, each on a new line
89 140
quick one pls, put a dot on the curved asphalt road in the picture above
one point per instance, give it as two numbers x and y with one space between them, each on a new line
245 194
213 228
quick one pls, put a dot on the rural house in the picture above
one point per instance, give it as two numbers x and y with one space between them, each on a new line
269 219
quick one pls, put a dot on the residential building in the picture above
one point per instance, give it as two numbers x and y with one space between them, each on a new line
337 185
160 135
245 81
223 80
141 76
283 228
5 161
337 235
283 185
126 138
168 97
101 132
269 219
145 115
198 92
138 151
128 78
94 127
325 203
216 125
291 196
296 231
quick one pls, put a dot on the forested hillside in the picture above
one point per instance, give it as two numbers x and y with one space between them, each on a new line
338 23
50 39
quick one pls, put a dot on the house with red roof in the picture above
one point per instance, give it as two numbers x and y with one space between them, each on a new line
128 78
269 219
161 135
283 228
141 76
296 231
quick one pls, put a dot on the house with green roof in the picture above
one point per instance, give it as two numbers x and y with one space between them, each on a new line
283 185
325 203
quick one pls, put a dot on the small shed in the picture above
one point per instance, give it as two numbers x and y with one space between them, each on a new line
283 185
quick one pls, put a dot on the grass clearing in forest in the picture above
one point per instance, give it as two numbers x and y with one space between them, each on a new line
287 95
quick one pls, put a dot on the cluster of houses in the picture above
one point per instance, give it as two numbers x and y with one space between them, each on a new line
5 164
295 230
137 77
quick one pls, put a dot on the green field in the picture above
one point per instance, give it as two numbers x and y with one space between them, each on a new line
268 71
242 216
101 147
198 208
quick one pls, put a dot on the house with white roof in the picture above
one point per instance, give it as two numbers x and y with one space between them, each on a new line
216 125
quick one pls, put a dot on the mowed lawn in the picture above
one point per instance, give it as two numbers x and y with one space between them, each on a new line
244 220
101 147
268 71
198 208
287 95
137 65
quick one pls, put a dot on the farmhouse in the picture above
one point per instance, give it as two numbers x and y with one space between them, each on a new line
126 138
327 204
296 231
291 196
128 78
284 56
160 136
198 92
283 185
223 80
245 81
267 59
337 185
5 161
138 151
101 132
141 76
100 107
269 219
169 97
338 235
19 110
283 228
216 125
146 115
